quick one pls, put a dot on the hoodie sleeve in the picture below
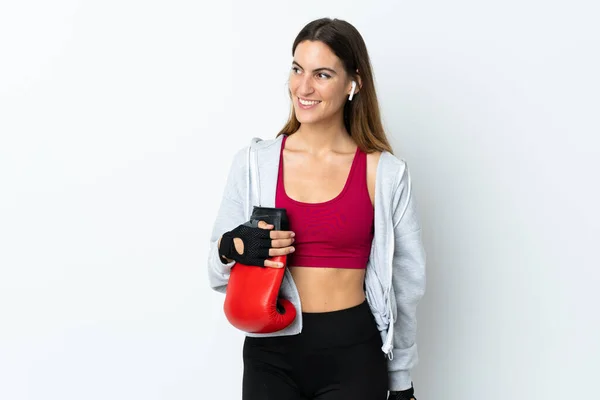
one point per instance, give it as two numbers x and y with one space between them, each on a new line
231 213
408 282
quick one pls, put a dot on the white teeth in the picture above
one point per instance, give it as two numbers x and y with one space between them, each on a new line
308 103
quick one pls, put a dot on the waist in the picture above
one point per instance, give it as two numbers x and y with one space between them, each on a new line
328 289
331 329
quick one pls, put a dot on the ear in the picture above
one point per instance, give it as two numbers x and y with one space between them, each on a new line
358 81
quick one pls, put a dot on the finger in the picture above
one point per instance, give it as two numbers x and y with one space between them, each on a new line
273 264
281 252
281 234
239 245
265 225
282 242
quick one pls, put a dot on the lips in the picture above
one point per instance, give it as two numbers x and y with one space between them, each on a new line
307 104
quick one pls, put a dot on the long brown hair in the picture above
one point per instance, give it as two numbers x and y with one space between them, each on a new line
361 115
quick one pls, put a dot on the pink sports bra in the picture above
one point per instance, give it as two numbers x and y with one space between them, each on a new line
336 233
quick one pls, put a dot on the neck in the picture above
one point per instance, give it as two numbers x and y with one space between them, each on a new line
323 136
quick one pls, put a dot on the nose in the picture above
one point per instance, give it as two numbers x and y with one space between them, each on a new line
305 85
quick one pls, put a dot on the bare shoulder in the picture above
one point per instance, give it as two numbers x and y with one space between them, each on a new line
372 163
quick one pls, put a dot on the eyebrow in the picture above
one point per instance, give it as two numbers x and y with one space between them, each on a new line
318 69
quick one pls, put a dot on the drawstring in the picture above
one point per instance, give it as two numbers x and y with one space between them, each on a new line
248 183
257 180
388 347
254 175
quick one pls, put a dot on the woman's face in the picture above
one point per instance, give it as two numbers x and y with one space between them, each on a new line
318 83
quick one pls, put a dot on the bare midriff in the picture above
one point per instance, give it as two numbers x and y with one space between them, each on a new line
328 289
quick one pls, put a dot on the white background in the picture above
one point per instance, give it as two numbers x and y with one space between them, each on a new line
118 120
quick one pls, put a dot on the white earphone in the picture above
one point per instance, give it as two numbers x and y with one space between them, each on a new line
352 92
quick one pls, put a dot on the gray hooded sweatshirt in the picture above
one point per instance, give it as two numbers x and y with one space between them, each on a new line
395 274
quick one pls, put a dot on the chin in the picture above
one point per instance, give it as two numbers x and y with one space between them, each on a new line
306 118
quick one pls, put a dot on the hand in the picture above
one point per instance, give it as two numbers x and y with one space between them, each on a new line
261 244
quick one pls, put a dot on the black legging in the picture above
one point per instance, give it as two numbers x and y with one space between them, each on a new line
337 356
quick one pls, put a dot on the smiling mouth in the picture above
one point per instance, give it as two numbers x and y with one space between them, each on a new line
308 103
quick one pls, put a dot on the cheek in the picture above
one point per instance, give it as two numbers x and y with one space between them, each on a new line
333 94
293 83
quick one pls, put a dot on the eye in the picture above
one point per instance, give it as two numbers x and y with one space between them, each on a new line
295 70
323 75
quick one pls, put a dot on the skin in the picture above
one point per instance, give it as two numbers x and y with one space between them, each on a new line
317 161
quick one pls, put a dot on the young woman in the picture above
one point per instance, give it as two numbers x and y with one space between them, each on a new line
355 261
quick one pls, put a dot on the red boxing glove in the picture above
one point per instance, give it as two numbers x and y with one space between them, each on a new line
252 302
